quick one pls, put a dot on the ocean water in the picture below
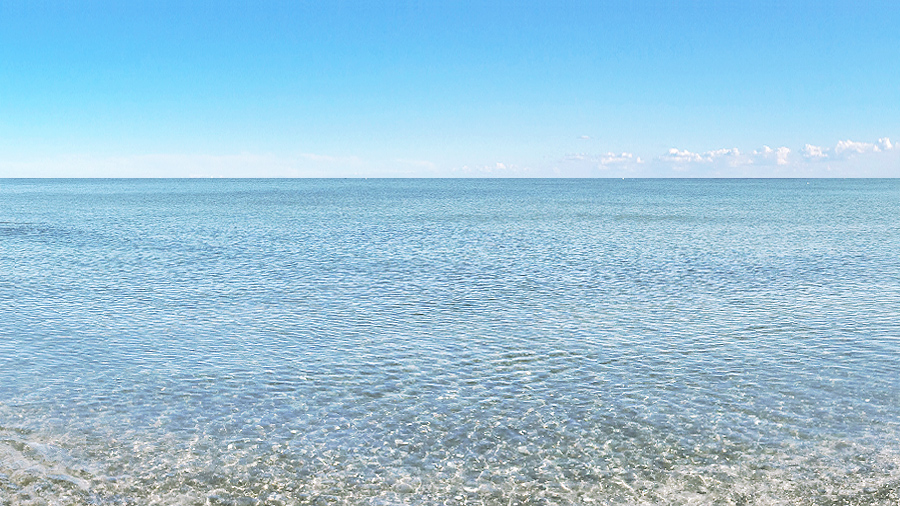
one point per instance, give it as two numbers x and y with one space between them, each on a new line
496 342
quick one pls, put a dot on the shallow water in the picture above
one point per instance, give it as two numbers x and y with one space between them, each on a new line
449 342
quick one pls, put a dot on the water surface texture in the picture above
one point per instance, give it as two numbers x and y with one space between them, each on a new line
497 342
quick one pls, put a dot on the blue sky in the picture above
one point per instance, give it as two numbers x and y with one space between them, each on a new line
453 88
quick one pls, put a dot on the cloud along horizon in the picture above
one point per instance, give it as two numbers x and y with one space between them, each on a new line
847 158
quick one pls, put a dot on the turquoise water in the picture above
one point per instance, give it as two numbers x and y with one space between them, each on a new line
449 342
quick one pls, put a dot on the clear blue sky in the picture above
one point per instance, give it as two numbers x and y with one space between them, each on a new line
164 88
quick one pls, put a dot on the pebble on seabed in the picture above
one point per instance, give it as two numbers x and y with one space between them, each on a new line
404 488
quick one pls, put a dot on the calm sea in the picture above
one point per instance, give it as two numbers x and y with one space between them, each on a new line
497 342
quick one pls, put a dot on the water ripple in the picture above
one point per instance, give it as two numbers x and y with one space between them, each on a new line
449 342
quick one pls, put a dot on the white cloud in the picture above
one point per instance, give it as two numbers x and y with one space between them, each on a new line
846 159
723 152
730 156
585 137
781 155
767 155
684 156
588 165
849 147
617 159
846 149
814 152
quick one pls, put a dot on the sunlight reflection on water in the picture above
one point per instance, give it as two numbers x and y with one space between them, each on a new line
409 341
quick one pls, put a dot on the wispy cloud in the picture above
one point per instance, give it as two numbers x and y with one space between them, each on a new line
730 157
811 152
609 164
847 149
605 159
611 158
845 159
778 156
186 165
496 169
683 156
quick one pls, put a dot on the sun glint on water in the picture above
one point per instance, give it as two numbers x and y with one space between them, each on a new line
449 342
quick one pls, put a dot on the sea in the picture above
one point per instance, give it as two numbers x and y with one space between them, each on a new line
449 342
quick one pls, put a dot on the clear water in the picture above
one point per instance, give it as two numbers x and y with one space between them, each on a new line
449 342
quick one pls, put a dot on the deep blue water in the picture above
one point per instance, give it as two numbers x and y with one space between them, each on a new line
449 342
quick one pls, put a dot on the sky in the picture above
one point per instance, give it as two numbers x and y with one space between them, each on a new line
449 89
